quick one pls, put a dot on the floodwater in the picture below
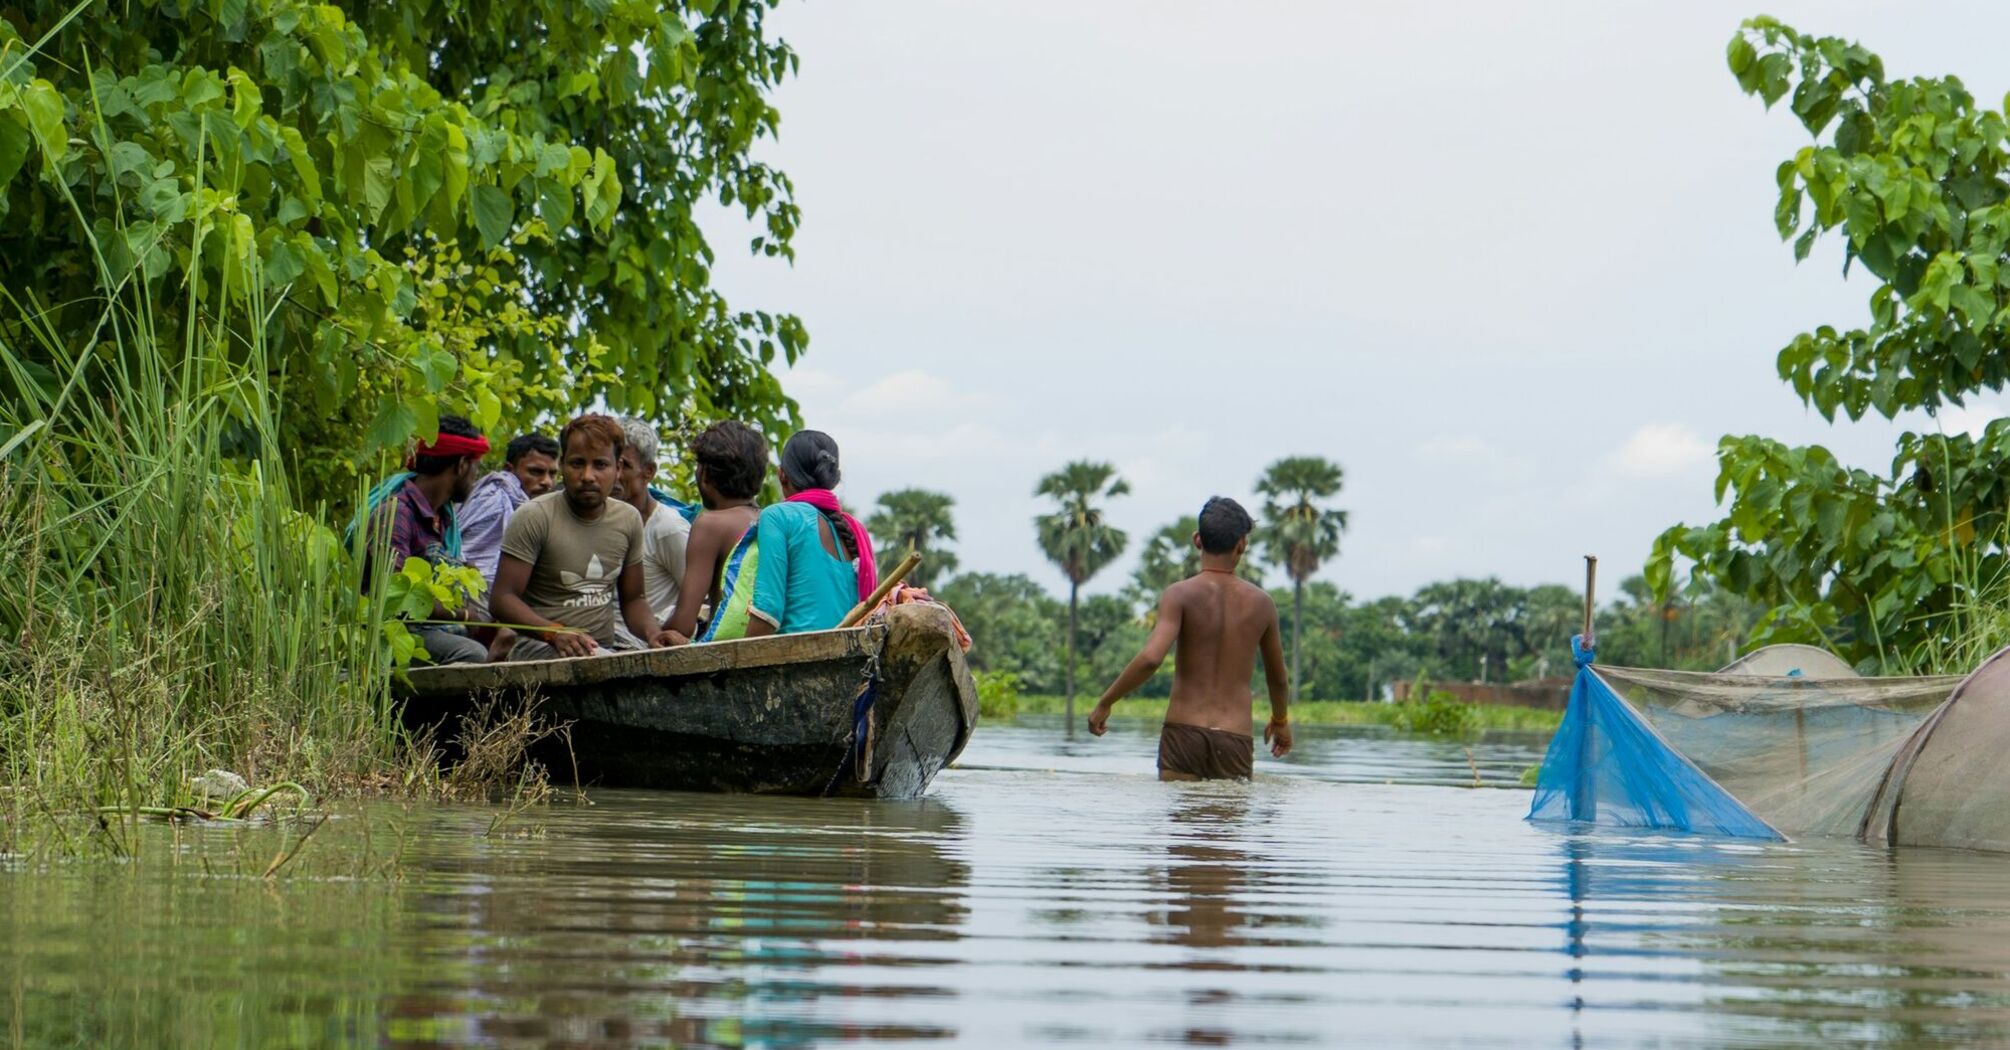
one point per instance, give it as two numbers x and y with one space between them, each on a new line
1047 891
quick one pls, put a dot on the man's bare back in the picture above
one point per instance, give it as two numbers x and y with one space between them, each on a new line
713 537
1217 623
1220 621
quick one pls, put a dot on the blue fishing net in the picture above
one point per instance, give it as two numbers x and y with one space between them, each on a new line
1607 765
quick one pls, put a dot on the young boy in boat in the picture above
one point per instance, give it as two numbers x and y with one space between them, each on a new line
1215 623
572 560
731 463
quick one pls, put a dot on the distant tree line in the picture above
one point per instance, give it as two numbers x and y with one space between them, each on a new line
1351 649
1340 647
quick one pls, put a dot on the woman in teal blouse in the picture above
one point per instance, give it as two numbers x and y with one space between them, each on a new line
816 560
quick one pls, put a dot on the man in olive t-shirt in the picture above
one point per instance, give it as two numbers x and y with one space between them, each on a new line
571 565
575 565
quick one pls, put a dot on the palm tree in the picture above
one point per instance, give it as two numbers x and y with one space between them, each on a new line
1170 556
918 520
1298 534
1077 538
1473 621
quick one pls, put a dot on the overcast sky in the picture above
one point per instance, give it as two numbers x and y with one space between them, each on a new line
1511 264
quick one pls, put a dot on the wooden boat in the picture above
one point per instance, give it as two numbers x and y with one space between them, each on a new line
768 715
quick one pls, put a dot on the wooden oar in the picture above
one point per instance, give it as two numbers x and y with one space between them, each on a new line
886 586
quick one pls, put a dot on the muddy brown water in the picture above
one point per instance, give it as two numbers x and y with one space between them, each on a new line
1046 892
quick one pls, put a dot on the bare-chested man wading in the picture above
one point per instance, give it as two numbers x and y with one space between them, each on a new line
1219 622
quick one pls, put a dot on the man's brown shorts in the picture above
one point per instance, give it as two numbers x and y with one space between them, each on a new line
1210 754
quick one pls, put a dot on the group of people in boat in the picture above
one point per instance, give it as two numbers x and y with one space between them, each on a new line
582 554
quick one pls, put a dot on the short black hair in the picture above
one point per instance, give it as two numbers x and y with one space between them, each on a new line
1223 524
524 444
734 457
433 466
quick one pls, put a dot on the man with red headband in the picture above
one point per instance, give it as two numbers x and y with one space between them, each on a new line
418 509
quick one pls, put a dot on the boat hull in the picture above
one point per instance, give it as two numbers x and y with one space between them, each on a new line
765 715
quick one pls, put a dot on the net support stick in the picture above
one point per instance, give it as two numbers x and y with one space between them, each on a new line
1590 589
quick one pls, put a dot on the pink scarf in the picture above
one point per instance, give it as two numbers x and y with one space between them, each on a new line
825 500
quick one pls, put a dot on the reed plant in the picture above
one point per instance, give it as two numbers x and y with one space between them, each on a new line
169 607
1976 623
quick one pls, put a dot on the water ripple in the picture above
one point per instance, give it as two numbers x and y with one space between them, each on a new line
1048 891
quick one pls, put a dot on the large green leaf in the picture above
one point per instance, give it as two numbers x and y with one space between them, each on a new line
377 181
394 422
14 140
44 109
554 202
494 214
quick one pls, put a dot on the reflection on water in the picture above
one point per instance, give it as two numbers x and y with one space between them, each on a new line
1047 891
693 920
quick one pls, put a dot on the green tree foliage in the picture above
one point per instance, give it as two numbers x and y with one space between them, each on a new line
1879 567
917 520
1298 533
1170 556
1351 648
1699 629
466 202
1012 624
1476 626
1912 175
1109 634
1077 538
1377 645
1550 614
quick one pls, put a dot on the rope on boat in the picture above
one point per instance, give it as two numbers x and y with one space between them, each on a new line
864 728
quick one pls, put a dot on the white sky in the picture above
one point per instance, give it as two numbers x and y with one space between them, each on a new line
1511 264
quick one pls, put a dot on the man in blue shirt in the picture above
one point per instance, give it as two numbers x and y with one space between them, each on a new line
530 469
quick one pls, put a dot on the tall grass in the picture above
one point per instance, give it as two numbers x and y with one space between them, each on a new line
1976 623
167 608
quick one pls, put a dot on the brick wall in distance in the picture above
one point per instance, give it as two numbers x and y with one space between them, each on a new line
1547 694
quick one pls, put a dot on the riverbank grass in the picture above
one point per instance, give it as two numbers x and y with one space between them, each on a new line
170 607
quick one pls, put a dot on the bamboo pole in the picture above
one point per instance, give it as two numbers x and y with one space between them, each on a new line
1590 589
886 586
1584 801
